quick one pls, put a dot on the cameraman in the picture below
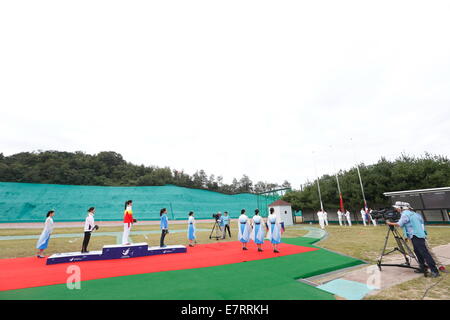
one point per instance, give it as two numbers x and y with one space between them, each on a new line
413 226
225 224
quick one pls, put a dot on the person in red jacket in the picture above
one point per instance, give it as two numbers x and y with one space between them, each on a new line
127 221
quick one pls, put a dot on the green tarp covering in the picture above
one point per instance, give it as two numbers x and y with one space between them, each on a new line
29 202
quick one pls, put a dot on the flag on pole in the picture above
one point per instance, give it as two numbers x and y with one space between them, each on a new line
341 202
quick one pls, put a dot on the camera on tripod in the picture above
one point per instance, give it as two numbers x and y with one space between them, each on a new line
402 246
216 227
386 214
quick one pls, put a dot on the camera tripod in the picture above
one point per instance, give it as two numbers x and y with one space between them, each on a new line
218 231
402 247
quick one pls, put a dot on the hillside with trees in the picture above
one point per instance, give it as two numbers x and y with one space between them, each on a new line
108 168
404 173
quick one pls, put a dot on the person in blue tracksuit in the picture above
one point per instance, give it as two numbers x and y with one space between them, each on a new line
164 226
191 229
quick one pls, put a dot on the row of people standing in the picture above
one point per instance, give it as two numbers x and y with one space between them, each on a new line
367 217
254 229
257 229
344 217
128 221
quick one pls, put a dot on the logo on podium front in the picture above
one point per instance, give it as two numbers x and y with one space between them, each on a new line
125 252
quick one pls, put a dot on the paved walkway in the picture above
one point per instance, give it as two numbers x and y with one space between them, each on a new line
315 233
356 282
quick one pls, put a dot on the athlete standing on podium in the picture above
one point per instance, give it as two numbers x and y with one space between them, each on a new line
89 226
127 221
164 226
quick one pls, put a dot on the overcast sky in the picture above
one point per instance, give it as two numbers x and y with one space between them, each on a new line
271 89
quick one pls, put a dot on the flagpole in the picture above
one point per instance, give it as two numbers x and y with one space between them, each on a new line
341 199
362 188
318 185
360 180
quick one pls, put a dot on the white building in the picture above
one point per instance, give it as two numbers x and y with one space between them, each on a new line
283 211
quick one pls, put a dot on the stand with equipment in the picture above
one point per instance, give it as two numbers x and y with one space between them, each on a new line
217 229
402 247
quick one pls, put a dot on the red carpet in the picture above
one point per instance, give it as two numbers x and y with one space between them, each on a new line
33 272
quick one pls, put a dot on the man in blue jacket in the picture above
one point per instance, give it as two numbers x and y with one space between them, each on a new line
414 229
225 224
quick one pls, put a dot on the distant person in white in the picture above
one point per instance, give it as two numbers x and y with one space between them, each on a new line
349 220
374 222
320 217
325 217
339 214
363 216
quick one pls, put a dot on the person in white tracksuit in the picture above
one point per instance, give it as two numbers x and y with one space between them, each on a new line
320 217
374 222
325 217
339 214
349 220
363 216
89 226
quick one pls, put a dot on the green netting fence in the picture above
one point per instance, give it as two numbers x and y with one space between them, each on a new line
29 202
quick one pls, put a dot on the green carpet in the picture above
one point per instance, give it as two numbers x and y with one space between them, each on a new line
269 279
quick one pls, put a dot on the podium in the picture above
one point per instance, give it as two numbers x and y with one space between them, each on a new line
115 251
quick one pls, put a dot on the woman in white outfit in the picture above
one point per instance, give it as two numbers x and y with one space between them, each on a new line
42 242
191 229
258 230
244 229
274 230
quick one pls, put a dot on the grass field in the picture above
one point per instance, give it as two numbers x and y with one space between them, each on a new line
357 241
248 280
366 243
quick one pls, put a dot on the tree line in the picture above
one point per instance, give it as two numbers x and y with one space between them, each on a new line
108 168
404 173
